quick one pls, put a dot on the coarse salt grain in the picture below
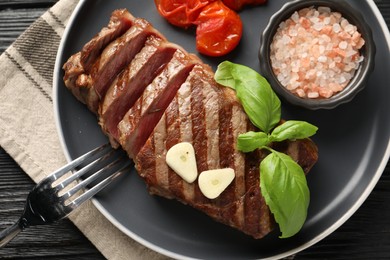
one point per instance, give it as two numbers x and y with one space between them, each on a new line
336 28
343 45
315 52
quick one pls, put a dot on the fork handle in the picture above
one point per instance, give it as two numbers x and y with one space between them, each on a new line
9 233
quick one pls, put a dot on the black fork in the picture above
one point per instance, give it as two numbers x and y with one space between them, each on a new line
59 194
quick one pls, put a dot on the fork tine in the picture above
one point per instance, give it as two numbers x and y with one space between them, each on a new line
44 204
98 187
73 164
108 169
84 170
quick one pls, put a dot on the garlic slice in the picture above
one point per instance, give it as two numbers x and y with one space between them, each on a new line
213 182
181 158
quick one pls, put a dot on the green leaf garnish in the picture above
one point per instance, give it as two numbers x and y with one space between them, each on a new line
284 188
282 181
292 130
251 141
254 92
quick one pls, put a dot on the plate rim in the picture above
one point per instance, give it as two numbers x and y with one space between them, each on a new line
362 198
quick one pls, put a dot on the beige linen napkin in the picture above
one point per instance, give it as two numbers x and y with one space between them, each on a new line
27 126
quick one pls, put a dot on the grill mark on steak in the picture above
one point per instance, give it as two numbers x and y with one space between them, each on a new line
257 215
239 127
172 121
152 162
173 127
199 133
238 117
139 121
212 106
228 201
184 103
231 125
125 91
226 146
226 141
121 20
119 53
161 171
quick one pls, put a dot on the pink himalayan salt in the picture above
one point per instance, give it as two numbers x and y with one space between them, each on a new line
315 53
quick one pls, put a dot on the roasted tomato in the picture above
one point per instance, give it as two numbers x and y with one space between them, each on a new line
239 4
219 30
181 13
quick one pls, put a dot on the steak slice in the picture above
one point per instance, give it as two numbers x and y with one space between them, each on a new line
210 117
72 70
141 119
121 20
91 87
130 84
80 83
119 53
78 66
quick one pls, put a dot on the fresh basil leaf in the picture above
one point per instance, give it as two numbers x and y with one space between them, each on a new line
282 181
260 103
251 141
284 188
224 75
292 130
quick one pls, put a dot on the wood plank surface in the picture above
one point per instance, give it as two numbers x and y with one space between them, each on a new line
366 235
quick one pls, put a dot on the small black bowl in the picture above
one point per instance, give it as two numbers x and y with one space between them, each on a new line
356 84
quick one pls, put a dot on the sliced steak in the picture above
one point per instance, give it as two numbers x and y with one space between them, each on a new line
121 20
211 118
130 84
119 53
152 104
77 69
91 87
141 119
72 70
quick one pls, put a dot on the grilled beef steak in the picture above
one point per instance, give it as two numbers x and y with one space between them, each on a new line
131 82
120 22
150 94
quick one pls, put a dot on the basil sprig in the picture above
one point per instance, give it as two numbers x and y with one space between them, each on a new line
284 188
254 92
282 181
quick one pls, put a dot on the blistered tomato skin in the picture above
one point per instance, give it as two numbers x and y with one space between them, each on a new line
219 30
181 13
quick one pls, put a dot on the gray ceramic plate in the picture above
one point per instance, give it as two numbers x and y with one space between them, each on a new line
353 142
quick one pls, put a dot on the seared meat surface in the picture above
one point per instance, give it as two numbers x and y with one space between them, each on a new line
129 85
150 94
120 22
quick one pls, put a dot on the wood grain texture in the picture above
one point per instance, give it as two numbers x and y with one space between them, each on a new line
13 22
366 235
14 4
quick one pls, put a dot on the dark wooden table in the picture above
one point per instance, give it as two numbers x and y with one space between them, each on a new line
366 235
